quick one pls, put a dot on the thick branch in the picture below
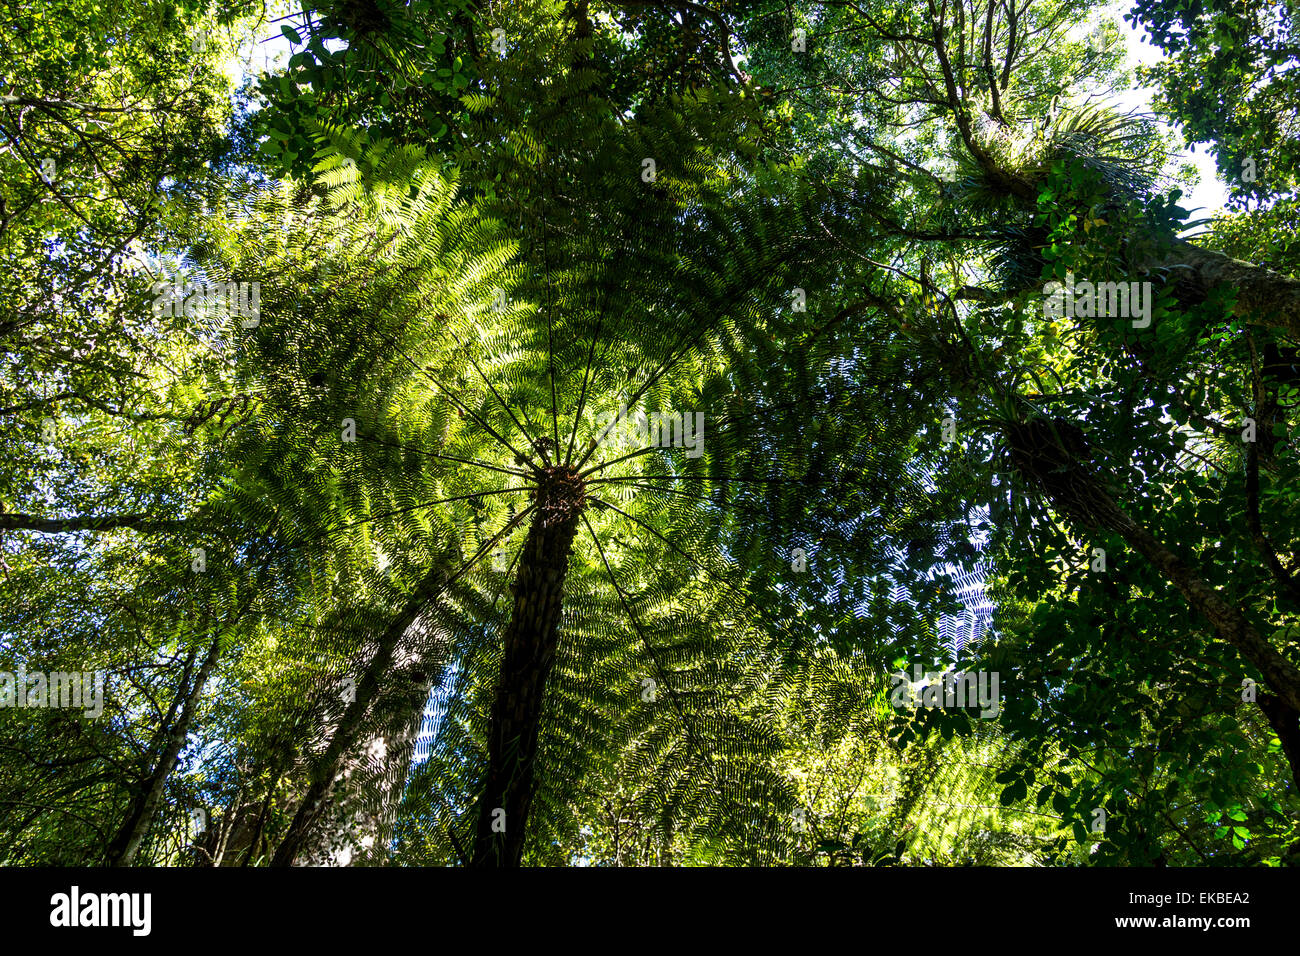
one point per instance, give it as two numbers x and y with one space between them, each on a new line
1264 297
140 522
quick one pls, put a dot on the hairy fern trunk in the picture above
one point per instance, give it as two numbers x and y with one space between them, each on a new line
528 654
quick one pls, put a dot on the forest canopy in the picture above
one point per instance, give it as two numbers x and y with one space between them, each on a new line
648 433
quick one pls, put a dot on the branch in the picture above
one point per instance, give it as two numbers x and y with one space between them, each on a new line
724 31
140 522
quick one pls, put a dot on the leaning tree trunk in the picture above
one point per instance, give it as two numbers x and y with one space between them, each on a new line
406 635
122 851
357 827
1068 483
529 647
1264 297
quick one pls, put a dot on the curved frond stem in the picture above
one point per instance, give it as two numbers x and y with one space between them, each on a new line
586 373
721 430
665 540
467 410
550 343
582 394
527 432
640 632
397 511
595 468
657 374
703 499
743 481
432 454
488 544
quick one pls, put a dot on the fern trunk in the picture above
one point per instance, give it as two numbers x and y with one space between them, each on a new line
529 649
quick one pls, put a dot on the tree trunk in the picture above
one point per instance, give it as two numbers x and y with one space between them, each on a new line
372 778
529 649
122 851
1073 490
1231 624
1286 724
1264 297
374 683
